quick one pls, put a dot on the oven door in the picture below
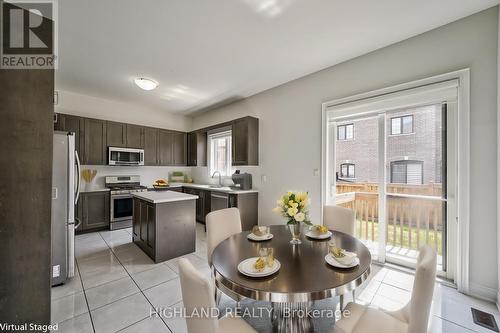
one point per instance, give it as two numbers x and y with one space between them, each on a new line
122 206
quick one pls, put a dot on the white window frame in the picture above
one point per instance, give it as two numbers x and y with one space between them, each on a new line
345 132
210 157
406 95
401 125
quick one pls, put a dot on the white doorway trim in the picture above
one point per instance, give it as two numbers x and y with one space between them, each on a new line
463 152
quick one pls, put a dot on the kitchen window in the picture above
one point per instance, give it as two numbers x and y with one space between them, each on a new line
402 125
347 170
407 172
345 132
219 153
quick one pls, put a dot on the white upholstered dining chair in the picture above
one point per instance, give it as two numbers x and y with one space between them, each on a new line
412 318
221 224
197 293
341 219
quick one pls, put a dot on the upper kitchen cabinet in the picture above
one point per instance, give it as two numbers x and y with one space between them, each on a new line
150 146
172 148
245 141
73 124
197 148
135 136
95 149
116 134
179 148
165 147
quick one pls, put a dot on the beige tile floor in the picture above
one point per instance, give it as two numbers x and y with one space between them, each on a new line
116 285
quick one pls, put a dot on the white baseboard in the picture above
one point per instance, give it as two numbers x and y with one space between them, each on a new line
484 293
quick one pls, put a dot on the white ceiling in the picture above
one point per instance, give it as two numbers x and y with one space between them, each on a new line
210 52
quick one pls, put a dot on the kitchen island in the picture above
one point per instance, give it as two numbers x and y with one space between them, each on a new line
164 224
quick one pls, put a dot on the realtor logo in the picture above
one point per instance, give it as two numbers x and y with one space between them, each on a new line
28 34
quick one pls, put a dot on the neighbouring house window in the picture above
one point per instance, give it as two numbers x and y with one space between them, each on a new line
345 132
219 145
407 172
347 170
402 125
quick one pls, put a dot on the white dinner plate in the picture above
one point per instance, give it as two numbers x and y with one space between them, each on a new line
326 235
256 238
246 267
333 262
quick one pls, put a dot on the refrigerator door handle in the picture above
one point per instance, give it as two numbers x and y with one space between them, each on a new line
78 167
79 223
71 250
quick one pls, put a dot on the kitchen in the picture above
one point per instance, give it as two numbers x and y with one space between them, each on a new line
129 156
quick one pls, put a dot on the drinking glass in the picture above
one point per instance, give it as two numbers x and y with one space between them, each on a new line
270 257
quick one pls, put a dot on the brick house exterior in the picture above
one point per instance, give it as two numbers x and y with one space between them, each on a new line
423 146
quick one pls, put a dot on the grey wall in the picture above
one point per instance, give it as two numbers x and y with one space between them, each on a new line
290 122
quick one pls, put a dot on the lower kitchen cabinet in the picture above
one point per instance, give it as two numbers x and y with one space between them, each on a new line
201 202
92 211
143 227
164 230
247 204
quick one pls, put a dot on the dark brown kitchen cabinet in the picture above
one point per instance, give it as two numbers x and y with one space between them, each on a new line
143 227
73 124
197 148
179 148
150 146
245 141
116 134
135 136
93 211
201 211
248 205
95 149
165 147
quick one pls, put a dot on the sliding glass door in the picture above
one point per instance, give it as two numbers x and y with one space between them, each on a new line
392 168
415 183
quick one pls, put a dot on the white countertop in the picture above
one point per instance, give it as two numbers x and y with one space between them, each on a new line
157 197
225 189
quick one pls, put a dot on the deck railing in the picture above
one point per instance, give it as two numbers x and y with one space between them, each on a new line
414 215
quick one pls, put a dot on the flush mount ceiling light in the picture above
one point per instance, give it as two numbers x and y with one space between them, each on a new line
146 84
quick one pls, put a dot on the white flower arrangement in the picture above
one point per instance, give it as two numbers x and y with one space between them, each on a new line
293 206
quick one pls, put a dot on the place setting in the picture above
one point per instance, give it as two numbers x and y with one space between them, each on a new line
260 234
318 232
263 265
340 258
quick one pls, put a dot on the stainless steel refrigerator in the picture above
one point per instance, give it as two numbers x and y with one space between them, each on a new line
65 193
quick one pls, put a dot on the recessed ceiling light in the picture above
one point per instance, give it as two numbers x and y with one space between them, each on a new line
146 84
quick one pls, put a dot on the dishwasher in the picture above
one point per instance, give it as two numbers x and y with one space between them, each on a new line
218 201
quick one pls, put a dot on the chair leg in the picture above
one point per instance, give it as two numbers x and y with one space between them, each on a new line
354 296
217 296
341 302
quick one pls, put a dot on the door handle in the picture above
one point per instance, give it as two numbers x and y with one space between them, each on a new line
79 222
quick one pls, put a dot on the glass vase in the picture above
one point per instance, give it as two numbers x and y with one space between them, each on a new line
295 231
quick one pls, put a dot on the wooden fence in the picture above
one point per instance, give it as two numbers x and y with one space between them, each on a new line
414 216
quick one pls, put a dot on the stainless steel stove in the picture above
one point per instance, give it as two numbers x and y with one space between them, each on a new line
121 188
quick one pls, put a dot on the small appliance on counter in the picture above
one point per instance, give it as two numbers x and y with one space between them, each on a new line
242 181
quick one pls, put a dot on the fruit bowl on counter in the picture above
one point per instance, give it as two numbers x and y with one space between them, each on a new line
160 184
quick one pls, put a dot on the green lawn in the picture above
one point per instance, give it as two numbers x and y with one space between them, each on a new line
397 240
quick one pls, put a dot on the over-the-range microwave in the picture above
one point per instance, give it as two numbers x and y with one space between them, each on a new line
125 156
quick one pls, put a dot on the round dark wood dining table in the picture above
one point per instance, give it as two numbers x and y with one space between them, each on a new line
304 275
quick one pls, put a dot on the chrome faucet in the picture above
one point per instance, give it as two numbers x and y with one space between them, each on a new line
220 177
